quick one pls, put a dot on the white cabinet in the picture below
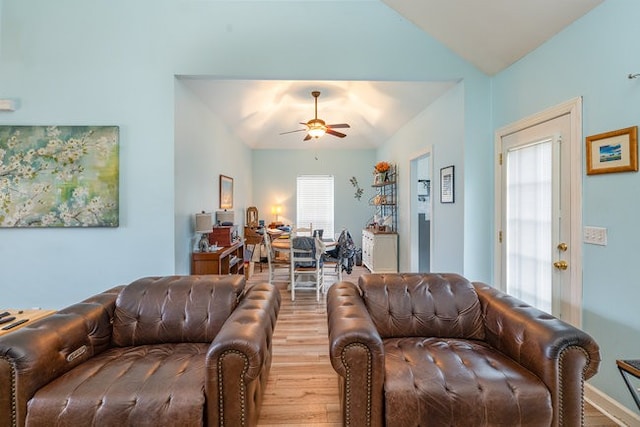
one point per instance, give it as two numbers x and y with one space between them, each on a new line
380 251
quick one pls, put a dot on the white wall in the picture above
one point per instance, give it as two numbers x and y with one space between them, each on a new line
592 59
274 181
204 149
440 126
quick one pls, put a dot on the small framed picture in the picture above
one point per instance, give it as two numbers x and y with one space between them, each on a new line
447 185
615 151
226 192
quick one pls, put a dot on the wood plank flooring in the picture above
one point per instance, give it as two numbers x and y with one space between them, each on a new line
302 389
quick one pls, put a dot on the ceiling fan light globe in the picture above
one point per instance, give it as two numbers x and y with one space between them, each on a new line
317 131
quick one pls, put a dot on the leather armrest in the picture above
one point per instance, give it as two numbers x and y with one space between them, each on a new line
33 356
241 355
357 355
560 354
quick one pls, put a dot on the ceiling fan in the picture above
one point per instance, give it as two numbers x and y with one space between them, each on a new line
316 127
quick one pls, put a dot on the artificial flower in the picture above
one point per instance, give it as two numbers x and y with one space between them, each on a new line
382 167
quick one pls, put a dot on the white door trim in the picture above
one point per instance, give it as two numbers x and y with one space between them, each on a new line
573 108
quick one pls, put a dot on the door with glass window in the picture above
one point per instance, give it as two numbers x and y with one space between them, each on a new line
535 233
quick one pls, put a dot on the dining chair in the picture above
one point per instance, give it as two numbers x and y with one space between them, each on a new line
331 266
278 267
305 257
302 231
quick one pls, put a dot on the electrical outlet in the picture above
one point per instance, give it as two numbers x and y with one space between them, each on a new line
595 236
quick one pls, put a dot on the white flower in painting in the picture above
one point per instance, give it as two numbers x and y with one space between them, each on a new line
49 219
54 144
80 193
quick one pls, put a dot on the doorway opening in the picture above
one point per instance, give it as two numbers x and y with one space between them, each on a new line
420 225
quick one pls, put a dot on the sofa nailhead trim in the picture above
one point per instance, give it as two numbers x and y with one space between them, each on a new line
348 383
560 385
14 414
242 388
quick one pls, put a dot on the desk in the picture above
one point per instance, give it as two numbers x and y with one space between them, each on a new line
226 260
626 368
31 316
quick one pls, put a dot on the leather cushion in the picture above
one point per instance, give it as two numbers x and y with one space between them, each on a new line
449 382
142 386
156 310
423 305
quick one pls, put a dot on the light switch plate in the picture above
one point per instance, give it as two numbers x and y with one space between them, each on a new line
7 105
595 235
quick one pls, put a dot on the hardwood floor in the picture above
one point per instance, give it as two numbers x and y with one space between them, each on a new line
302 389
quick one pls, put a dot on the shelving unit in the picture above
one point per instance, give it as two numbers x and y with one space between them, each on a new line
385 200
380 240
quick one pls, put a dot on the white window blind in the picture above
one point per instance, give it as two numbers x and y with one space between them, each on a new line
315 203
529 193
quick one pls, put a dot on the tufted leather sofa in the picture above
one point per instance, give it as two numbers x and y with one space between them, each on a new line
437 350
177 351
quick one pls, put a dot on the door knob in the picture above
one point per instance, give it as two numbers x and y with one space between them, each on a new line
563 247
561 265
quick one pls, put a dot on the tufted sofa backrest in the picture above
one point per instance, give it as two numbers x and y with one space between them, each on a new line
173 309
422 305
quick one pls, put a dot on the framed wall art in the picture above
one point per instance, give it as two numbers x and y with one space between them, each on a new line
447 185
226 192
615 151
59 176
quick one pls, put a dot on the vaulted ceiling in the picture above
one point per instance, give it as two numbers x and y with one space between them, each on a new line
490 34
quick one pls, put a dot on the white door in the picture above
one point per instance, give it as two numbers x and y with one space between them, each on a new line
539 244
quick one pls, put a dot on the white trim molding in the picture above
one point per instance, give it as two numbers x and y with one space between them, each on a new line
609 407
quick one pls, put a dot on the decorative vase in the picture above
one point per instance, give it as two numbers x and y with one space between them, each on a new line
381 177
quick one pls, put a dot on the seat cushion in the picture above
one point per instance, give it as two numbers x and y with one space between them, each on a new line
151 385
454 382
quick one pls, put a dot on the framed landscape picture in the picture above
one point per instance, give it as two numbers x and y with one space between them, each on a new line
59 176
615 151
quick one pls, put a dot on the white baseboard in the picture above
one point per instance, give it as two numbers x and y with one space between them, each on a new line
610 407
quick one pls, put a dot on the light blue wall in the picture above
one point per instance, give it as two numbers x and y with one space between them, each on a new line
440 127
274 181
592 59
113 62
204 149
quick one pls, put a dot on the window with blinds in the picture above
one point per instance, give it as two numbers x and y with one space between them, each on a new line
315 203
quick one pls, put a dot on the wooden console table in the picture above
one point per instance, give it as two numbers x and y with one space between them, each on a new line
226 260
29 315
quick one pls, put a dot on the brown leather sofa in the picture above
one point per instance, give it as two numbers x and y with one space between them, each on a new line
175 351
437 350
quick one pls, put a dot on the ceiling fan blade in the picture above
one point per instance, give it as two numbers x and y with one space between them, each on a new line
292 131
338 126
335 133
306 138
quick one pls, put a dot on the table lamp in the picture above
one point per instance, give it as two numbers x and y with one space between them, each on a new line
204 225
277 209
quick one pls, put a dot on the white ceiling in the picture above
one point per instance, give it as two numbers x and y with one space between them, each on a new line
491 34
258 111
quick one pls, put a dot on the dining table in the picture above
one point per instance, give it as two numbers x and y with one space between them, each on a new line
283 243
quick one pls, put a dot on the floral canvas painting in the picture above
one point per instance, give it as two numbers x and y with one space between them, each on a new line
59 176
